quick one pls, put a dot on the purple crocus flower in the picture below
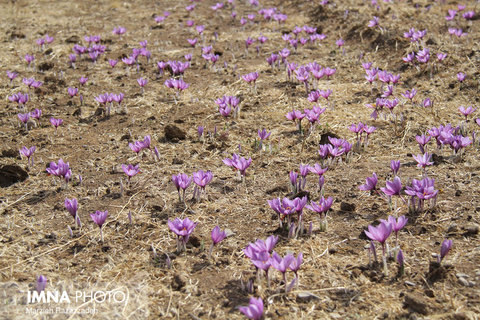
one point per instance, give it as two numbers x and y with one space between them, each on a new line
72 91
410 94
282 265
28 153
142 82
201 179
24 117
461 76
83 80
466 111
99 218
254 310
423 160
112 62
72 207
395 166
263 134
380 234
422 141
130 170
446 246
393 187
370 184
181 181
29 59
41 283
119 30
56 123
217 235
239 163
250 77
183 229
11 75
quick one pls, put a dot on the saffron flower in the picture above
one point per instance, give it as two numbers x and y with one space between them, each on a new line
380 234
24 117
370 184
282 264
72 91
142 82
239 163
422 141
61 169
251 78
181 181
130 170
11 75
201 179
395 166
254 310
466 111
393 187
99 218
445 248
217 236
461 76
41 283
28 153
262 135
423 160
72 207
183 229
397 225
56 123
321 207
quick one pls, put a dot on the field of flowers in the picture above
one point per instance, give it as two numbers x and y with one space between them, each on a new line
257 159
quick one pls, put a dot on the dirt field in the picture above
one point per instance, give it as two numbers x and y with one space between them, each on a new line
338 278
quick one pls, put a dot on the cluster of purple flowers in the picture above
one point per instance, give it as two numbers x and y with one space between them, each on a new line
226 104
32 83
139 145
334 150
263 257
200 178
20 98
448 135
107 99
383 76
183 229
61 169
238 163
359 129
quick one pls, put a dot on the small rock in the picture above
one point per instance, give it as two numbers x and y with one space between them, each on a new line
73 39
464 282
461 316
179 281
174 133
452 228
471 230
347 207
177 161
306 296
416 303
